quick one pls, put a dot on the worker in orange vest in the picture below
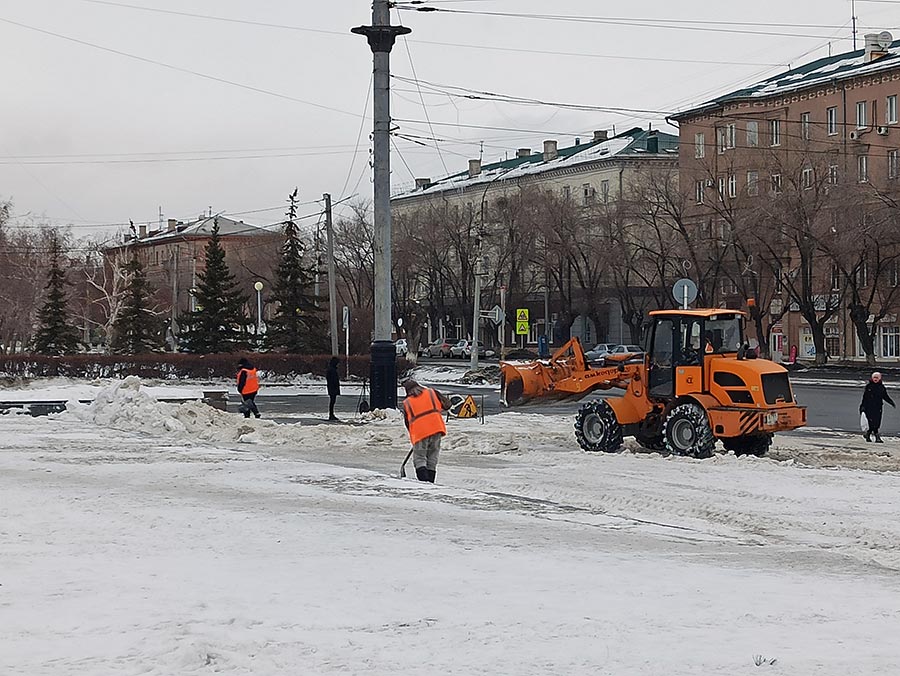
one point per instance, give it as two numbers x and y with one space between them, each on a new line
422 413
248 386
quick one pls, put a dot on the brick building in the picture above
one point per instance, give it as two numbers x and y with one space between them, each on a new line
173 257
825 130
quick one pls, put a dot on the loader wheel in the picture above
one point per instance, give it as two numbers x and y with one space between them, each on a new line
652 443
686 432
597 429
750 444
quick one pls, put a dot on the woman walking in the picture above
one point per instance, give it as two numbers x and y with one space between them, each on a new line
872 405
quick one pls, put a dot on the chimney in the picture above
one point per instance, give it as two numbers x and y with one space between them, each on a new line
877 45
523 152
550 152
172 225
474 168
577 141
600 135
652 142
142 230
422 183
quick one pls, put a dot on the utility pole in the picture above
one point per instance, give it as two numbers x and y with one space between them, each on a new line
332 285
476 315
853 18
381 36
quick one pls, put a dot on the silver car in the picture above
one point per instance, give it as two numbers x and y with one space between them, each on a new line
599 351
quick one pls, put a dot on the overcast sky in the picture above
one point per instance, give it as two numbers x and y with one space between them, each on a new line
112 110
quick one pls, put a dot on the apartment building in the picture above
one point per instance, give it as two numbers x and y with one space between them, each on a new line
587 173
174 255
829 123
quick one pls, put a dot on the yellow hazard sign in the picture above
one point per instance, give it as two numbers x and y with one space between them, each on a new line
468 409
522 315
522 328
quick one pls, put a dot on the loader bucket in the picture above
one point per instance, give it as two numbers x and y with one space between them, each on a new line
521 382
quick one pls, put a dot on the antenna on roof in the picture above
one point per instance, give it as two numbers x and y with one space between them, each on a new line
853 18
481 152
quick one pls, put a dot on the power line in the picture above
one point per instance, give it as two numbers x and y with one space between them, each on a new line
179 69
642 22
263 24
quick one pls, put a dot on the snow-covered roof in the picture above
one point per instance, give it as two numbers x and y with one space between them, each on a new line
631 143
815 73
203 227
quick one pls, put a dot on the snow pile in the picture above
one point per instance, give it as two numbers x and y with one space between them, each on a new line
126 405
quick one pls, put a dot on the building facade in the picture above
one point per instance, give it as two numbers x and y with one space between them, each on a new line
586 175
811 157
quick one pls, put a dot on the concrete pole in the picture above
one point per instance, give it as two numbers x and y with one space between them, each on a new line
381 37
476 315
332 284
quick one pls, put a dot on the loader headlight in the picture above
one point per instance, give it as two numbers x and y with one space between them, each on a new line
771 419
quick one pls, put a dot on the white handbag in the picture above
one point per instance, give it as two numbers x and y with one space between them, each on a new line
863 422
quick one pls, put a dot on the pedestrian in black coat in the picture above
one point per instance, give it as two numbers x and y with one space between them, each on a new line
872 405
333 380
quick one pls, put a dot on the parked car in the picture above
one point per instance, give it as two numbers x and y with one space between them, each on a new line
467 352
402 347
599 351
635 350
439 348
457 351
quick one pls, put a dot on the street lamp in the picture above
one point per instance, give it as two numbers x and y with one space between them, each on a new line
259 287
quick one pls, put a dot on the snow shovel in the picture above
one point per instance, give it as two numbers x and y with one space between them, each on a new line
403 466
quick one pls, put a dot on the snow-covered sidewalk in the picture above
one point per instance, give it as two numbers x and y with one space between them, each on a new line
146 538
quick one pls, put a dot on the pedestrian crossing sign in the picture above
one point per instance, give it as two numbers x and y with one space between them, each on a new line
469 408
522 315
522 328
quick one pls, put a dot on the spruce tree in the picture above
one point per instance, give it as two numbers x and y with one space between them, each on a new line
136 329
55 335
219 322
298 326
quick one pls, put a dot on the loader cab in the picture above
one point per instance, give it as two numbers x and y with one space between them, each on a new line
682 342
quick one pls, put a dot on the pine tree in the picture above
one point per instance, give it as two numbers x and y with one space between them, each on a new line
55 335
136 330
298 325
219 323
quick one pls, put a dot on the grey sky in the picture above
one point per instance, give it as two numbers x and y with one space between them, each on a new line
75 118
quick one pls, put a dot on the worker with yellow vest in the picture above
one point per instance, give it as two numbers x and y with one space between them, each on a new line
247 386
422 413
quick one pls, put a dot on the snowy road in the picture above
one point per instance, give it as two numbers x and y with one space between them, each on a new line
145 538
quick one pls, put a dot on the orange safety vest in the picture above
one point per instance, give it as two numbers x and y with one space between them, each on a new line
251 384
423 415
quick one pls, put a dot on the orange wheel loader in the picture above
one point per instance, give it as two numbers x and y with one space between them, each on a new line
697 382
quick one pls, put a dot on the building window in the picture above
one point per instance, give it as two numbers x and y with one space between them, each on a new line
890 341
699 187
752 134
699 146
894 273
862 168
721 188
890 109
726 137
604 191
862 275
893 163
862 118
831 121
835 278
806 178
804 126
732 186
567 192
776 184
777 278
587 194
833 174
775 132
753 183
729 288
